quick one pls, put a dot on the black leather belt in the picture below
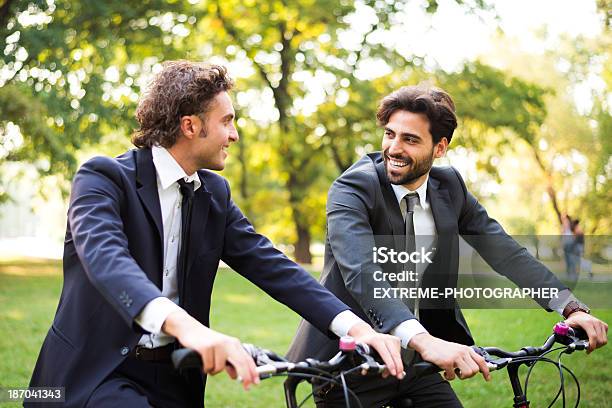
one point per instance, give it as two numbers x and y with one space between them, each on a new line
158 354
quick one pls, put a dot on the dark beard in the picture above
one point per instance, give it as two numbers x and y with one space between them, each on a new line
420 168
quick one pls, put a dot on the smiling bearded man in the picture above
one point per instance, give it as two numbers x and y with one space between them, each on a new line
398 196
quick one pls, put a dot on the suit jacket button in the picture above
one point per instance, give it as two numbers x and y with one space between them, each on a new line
125 350
380 325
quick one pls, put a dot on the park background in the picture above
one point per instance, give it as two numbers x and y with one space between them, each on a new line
531 81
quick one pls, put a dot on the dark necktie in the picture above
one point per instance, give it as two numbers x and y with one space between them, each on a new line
412 200
187 190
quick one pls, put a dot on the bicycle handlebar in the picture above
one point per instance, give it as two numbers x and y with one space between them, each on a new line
359 357
574 338
269 362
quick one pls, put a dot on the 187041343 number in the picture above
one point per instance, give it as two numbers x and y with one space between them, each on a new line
33 394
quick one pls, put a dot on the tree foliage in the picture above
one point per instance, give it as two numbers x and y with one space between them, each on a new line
306 97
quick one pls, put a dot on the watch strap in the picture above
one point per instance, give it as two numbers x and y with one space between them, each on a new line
574 306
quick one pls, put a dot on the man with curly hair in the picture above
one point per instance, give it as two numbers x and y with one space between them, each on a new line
146 231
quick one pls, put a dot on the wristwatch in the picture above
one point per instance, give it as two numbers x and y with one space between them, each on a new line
574 306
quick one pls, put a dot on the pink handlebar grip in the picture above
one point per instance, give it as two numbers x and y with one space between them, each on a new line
561 328
347 343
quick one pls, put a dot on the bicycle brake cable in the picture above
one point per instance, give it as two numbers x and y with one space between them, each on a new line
344 388
561 379
559 366
561 391
536 359
317 377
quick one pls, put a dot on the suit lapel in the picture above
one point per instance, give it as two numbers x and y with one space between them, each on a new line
199 216
146 180
146 183
443 213
392 209
391 205
440 274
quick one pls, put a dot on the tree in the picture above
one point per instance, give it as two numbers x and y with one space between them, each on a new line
570 145
295 50
80 66
72 70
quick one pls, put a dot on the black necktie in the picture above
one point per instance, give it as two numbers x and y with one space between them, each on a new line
187 190
411 201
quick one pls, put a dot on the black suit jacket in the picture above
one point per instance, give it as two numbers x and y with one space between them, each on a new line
362 212
113 268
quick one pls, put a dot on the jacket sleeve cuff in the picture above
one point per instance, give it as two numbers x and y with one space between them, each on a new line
558 303
406 330
154 314
342 323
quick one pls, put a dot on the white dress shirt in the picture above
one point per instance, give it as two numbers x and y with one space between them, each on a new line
425 236
156 311
153 315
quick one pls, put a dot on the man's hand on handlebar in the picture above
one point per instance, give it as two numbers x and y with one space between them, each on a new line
594 328
387 346
218 351
450 356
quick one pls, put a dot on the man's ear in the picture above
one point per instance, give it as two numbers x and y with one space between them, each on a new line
440 148
188 126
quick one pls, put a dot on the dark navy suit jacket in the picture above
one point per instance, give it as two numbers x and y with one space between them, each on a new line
113 268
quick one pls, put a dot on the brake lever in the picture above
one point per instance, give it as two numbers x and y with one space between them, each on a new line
370 365
494 363
578 345
267 362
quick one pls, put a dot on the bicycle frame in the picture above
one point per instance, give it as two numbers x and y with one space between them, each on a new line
520 399
290 388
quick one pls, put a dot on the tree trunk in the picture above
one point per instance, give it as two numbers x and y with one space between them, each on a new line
302 245
300 221
283 101
243 183
5 13
550 189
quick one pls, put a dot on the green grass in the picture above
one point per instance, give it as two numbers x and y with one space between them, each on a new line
29 292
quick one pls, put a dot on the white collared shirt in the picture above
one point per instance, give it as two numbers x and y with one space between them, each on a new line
156 311
425 236
153 315
424 224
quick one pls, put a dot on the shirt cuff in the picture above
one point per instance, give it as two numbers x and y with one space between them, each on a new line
406 330
154 314
563 298
342 323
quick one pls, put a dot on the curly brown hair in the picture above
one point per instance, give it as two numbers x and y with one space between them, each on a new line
433 102
181 88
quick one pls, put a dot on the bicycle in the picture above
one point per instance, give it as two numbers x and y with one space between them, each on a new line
359 359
